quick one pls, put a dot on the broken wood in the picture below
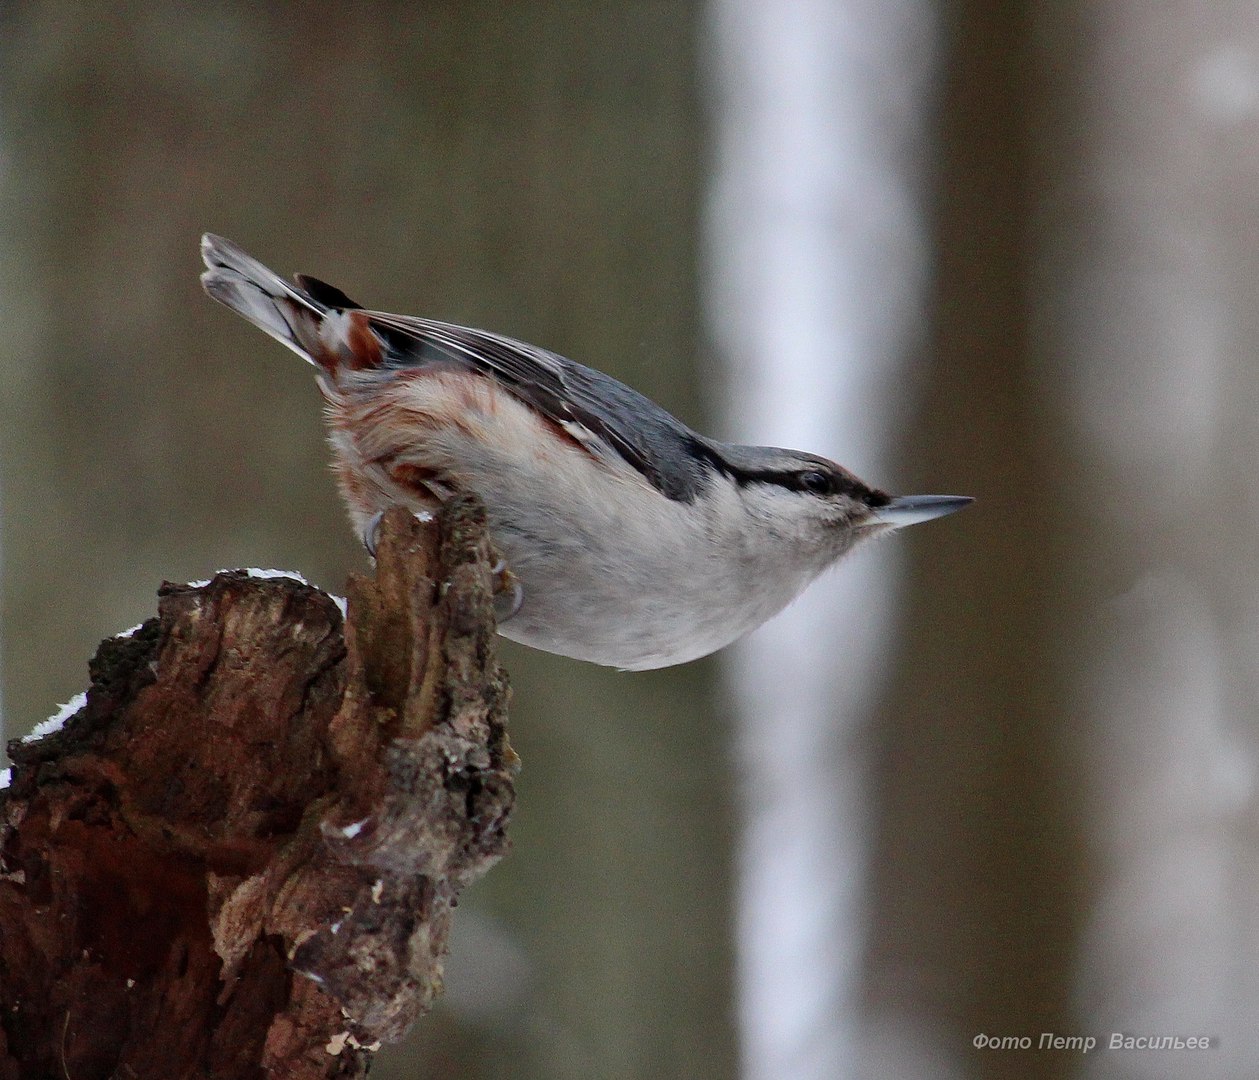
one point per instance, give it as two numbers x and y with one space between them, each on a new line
240 857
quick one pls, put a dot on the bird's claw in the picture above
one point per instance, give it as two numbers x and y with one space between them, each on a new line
371 532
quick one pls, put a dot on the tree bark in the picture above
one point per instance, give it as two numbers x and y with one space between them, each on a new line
240 857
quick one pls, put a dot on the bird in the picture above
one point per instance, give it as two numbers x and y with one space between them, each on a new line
633 541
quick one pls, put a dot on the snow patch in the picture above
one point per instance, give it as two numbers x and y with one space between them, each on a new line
254 572
6 778
58 719
261 574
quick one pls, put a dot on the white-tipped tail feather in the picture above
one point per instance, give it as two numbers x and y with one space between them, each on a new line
243 284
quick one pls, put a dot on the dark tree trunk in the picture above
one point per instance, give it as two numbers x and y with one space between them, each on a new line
240 857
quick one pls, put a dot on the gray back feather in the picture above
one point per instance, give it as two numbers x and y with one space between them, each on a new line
663 449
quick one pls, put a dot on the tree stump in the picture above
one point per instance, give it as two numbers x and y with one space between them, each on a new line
240 856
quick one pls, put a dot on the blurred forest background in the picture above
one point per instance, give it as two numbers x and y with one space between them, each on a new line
995 777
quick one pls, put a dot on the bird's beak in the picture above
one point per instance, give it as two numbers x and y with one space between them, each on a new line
911 509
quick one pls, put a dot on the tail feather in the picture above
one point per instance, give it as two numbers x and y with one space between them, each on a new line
243 284
317 321
323 293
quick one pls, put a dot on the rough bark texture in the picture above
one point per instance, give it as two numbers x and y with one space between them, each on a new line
240 857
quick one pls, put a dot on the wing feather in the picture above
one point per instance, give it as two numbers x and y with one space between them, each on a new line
603 414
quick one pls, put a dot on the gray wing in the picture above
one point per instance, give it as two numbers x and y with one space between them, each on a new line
584 402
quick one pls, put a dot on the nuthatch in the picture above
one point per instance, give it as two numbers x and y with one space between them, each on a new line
636 542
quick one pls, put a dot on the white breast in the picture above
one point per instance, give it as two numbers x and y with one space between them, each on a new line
612 571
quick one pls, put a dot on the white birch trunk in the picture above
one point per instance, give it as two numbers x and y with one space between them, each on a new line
816 263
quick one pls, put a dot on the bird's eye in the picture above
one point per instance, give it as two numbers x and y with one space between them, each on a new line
816 483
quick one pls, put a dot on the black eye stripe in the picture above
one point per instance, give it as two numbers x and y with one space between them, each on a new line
817 482
840 481
810 481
